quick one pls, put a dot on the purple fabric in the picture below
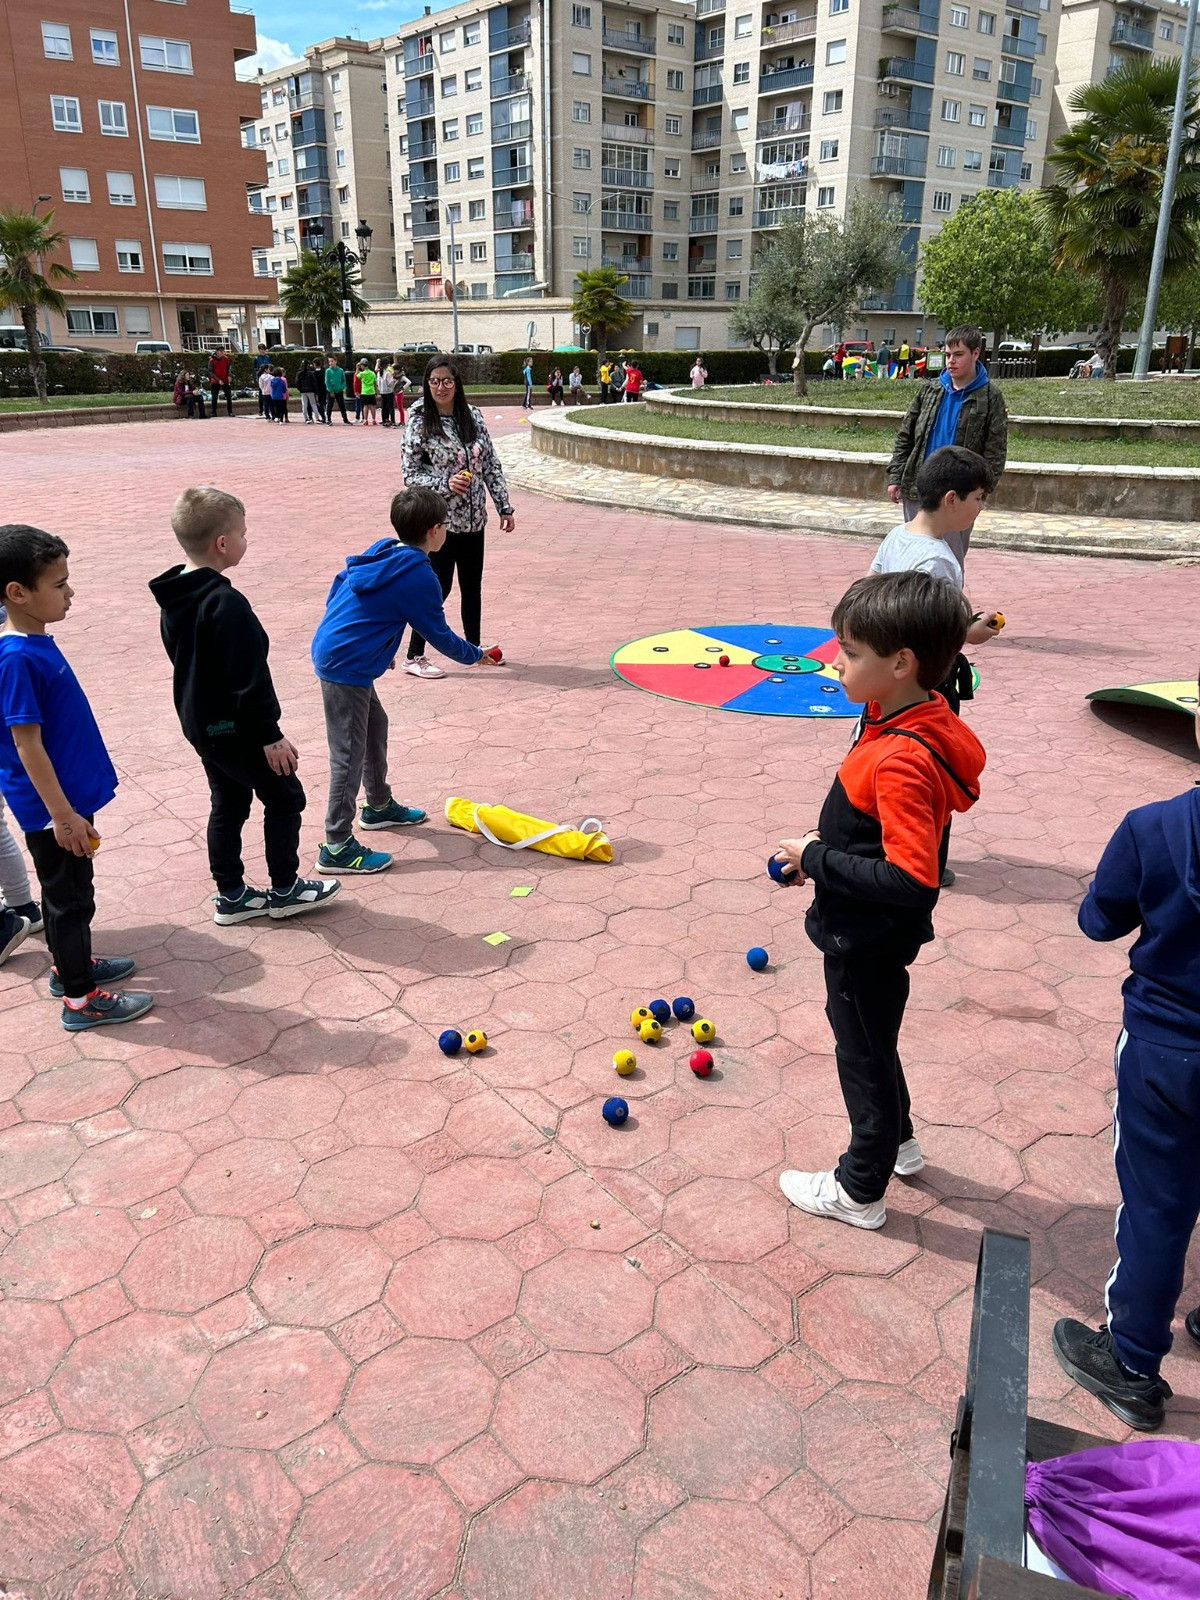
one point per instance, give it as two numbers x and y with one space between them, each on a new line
1124 1519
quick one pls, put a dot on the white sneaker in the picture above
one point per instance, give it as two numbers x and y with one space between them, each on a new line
909 1159
821 1194
422 667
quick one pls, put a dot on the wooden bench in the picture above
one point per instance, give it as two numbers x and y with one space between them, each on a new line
981 1541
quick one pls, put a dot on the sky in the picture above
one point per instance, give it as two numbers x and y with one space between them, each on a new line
287 27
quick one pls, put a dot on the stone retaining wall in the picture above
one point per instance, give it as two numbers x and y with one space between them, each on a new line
92 416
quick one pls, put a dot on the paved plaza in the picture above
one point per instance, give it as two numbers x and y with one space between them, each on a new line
293 1307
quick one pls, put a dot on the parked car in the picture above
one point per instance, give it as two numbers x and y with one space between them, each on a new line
474 350
152 347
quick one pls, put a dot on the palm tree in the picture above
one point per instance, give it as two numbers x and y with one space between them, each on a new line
26 240
599 304
312 292
1103 211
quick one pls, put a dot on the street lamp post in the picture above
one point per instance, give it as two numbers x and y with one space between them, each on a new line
452 285
345 258
41 200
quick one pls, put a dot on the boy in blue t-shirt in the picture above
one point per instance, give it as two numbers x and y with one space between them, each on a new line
56 774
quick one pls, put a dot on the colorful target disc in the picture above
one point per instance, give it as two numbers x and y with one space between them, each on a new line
775 669
1159 696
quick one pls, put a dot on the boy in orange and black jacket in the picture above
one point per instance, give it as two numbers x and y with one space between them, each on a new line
876 860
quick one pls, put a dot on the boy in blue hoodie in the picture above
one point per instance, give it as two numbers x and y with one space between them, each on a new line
377 595
1149 880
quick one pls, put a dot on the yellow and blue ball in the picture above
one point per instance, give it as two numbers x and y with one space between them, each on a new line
450 1041
624 1061
615 1111
475 1041
661 1011
684 1008
640 1015
650 1031
702 1031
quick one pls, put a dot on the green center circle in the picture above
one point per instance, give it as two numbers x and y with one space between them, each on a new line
787 664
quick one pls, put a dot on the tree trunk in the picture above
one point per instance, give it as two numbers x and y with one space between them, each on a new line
800 374
33 343
998 336
1108 340
773 360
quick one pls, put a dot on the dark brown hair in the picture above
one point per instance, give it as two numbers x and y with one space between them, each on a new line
953 467
966 334
894 611
414 512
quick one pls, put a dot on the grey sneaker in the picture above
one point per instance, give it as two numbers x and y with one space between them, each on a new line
103 1009
909 1159
242 907
105 969
306 894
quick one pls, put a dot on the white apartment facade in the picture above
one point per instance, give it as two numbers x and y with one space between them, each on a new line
1098 37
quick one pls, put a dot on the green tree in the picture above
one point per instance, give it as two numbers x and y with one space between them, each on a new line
598 303
312 292
991 264
1179 309
1103 211
27 279
766 322
819 267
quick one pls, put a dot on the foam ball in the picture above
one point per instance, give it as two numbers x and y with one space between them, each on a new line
702 1031
615 1111
642 1014
997 620
723 661
450 1042
757 958
624 1061
781 871
650 1031
476 1041
701 1063
660 1010
684 1008
495 654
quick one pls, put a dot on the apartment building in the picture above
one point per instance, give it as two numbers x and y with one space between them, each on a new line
324 130
125 117
1097 37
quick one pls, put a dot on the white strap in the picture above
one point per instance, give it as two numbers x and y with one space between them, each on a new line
518 844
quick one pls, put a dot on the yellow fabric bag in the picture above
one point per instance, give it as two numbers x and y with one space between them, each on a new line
512 830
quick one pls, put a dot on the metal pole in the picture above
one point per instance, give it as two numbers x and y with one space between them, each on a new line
453 284
1141 367
347 339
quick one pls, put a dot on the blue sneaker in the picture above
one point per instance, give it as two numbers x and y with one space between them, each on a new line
351 857
242 907
306 894
105 969
104 1009
392 815
14 930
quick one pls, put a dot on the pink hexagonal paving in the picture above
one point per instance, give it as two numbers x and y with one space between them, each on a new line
454 1288
573 1417
586 1300
322 1277
419 1400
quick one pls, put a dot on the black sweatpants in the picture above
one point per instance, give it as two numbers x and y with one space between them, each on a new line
866 995
462 552
237 772
68 906
215 388
335 398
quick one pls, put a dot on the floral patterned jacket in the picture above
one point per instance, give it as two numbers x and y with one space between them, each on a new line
430 463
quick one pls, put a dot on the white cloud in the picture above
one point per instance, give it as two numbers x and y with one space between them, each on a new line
271 53
375 5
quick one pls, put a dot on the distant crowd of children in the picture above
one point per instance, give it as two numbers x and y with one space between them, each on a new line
376 389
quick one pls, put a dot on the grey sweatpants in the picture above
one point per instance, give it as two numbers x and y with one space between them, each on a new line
14 879
356 727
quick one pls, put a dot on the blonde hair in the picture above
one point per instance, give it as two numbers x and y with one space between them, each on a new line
202 514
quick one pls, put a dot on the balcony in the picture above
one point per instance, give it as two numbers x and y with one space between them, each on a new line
626 178
305 98
709 8
419 65
612 133
901 19
638 287
1023 49
426 289
903 117
707 141
625 39
511 177
705 182
898 166
783 129
518 280
800 77
626 221
418 106
704 221
627 88
517 216
1034 6
515 83
1130 37
703 287
1003 180
1013 138
629 264
780 171
512 132
711 52
802 28
1016 93
903 69
709 95
522 262
427 190
426 230
511 38
313 200
886 302
421 150
780 214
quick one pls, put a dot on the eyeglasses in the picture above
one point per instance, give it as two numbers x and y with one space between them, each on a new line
441 383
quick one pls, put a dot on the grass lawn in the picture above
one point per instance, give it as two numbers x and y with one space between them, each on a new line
1075 452
1030 397
84 402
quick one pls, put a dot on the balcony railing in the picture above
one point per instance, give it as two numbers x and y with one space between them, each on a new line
515 83
626 221
426 230
1025 49
709 8
785 78
802 28
707 141
522 262
415 107
898 166
314 202
511 132
905 69
628 264
421 150
1124 33
709 95
420 65
517 280
426 289
705 220
625 39
306 98
779 214
511 177
628 88
705 182
423 191
626 178
510 38
886 302
638 286
1035 7
516 215
1014 138
783 130
709 51
611 133
1018 93
702 287
901 19
1003 180
903 117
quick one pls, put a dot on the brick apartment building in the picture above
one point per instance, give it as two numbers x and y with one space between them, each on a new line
127 114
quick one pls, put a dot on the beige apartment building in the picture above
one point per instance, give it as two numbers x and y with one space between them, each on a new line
324 131
1097 37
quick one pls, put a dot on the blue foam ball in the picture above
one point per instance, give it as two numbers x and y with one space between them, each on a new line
757 958
781 871
615 1111
684 1008
450 1042
660 1010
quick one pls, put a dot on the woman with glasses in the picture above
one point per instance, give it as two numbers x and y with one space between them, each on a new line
447 447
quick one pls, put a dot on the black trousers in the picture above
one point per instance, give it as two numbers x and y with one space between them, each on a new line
68 905
387 410
195 404
338 400
236 772
461 553
215 388
865 999
264 404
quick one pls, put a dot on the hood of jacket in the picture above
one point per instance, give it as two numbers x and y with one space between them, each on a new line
1181 829
959 756
369 575
180 594
977 382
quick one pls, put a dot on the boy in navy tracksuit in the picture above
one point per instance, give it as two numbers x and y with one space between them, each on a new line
377 595
1148 879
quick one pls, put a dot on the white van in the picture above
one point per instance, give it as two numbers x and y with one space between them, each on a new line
474 350
152 347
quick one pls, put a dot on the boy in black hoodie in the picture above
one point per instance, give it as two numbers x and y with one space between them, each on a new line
229 713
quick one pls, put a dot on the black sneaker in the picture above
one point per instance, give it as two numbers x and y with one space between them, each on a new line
948 878
14 930
33 912
103 1009
1088 1356
306 894
1192 1323
242 907
105 969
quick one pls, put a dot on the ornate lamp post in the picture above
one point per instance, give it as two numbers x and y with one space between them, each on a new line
345 258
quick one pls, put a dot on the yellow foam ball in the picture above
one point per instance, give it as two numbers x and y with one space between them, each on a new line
624 1061
703 1030
650 1031
475 1041
636 1018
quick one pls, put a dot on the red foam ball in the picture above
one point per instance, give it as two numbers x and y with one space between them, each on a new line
724 660
496 654
701 1063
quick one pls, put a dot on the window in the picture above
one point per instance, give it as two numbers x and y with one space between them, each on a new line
581 160
84 255
733 290
670 252
120 189
471 33
190 259
281 131
406 222
338 120
285 167
670 169
270 169
831 102
1041 44
742 27
1035 88
450 129
581 16
178 127
105 52
1166 31
960 17
972 160
289 236
835 53
976 117
675 33
475 167
941 200
733 250
129 256
285 202
741 72
829 149
581 203
450 86
339 158
739 119
477 210
737 163
112 118
987 22
278 94
165 55
56 41
670 291
825 195
581 63
954 63
1031 129
137 319
180 194
1026 171
264 135
670 210
447 43
475 123
674 78
981 71
335 82
91 320
581 111
473 79
951 110
344 195
581 249
674 125
737 206
947 155
479 251
452 171
64 113
838 7
74 181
